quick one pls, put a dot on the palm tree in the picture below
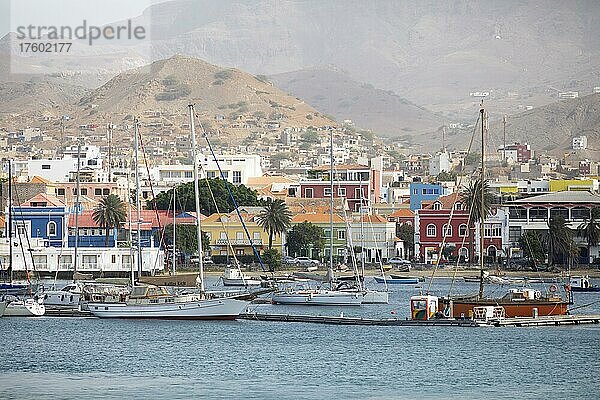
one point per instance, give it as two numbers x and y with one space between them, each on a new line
590 229
470 195
275 218
109 213
558 239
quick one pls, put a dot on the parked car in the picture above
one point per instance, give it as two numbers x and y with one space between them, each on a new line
520 264
289 260
398 261
306 262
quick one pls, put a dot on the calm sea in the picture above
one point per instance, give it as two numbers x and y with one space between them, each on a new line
65 358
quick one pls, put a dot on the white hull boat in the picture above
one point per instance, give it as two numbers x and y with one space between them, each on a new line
67 298
25 308
318 298
233 277
156 303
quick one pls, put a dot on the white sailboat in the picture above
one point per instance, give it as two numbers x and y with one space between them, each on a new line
154 302
320 296
234 277
27 306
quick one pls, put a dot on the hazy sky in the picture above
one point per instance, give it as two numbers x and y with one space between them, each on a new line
67 12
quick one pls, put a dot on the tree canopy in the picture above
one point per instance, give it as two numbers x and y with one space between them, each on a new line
185 238
185 197
304 236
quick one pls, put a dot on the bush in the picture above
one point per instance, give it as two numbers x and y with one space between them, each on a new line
223 75
176 92
272 259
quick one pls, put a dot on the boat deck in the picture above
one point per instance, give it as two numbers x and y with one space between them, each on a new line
556 320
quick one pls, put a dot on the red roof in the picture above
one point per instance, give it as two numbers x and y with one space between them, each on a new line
149 219
43 200
402 213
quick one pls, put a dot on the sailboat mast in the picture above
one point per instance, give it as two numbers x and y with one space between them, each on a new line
77 198
331 199
482 206
174 207
10 245
137 199
131 265
197 198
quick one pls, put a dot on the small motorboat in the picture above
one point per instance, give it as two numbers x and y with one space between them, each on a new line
582 284
317 297
233 277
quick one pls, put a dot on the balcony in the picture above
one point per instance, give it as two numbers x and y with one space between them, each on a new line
238 242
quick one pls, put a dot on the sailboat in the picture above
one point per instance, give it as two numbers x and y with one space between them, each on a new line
320 296
26 305
153 302
523 302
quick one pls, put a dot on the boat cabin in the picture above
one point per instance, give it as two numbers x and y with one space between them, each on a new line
423 307
522 295
150 291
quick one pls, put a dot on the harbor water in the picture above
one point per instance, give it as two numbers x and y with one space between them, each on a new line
63 358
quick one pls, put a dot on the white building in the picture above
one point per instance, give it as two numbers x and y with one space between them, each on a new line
568 95
579 143
438 163
59 170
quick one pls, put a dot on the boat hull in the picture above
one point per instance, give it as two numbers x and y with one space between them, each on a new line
210 309
512 309
61 300
590 289
398 281
318 298
3 305
24 308
240 282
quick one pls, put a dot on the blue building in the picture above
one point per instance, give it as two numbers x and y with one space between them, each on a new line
420 191
41 217
92 235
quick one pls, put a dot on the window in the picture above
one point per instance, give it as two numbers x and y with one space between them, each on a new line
462 230
308 193
239 252
97 192
517 213
492 230
211 174
458 206
424 191
539 213
223 235
447 230
580 213
60 192
113 259
514 234
188 174
431 230
327 192
105 191
342 192
239 235
256 236
358 193
45 166
437 205
341 234
84 192
51 228
237 177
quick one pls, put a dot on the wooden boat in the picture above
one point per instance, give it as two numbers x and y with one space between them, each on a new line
582 284
516 303
152 302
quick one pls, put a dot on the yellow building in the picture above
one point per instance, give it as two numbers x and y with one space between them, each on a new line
227 235
561 185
